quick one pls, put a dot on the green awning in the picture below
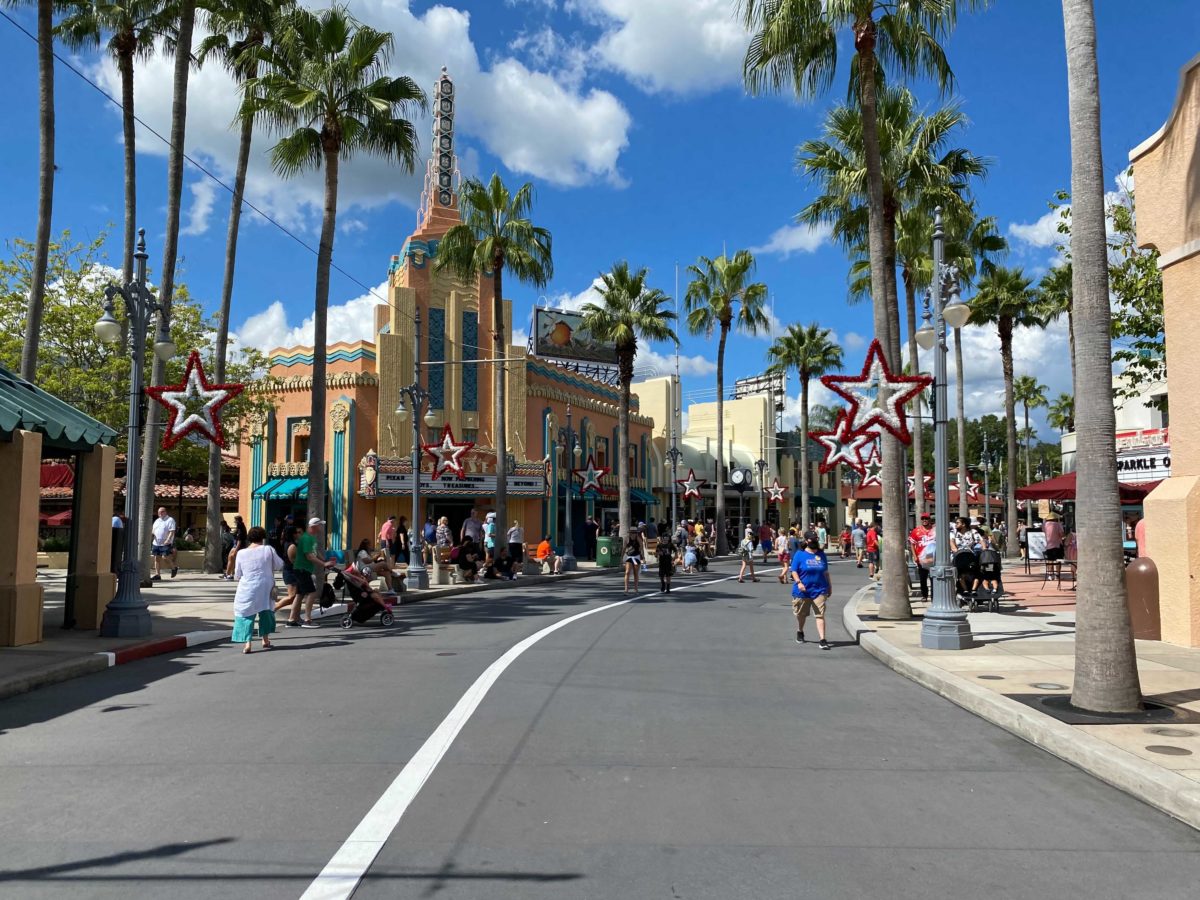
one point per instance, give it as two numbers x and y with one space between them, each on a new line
26 407
814 500
264 489
289 489
640 496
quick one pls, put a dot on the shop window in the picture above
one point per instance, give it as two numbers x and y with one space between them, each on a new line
300 449
470 434
601 451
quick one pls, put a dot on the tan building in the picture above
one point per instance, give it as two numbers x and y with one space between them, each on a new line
1167 171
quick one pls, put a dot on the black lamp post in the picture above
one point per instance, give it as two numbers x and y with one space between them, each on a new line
571 449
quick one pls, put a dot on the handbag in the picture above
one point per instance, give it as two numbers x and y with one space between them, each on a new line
328 597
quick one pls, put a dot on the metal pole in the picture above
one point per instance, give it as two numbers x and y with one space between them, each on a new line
418 575
569 563
126 615
987 494
945 625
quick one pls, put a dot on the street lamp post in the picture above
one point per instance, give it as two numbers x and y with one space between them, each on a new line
570 444
761 464
985 463
673 454
417 577
945 625
126 614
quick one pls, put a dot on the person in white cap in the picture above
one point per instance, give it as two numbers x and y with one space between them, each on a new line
308 562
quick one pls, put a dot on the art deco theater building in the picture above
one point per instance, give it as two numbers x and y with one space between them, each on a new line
368 445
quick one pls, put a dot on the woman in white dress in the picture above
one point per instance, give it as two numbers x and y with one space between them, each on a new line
255 569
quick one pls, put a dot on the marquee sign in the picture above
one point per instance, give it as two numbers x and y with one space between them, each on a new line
389 477
1143 455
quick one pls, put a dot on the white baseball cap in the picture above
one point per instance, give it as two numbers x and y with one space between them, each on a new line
315 521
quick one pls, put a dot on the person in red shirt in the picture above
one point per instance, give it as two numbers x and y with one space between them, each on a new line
916 539
873 549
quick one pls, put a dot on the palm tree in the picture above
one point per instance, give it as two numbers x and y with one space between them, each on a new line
1005 299
1062 413
1106 676
974 248
497 234
41 244
919 172
179 26
628 311
1054 293
326 91
132 27
717 286
1030 394
238 28
811 352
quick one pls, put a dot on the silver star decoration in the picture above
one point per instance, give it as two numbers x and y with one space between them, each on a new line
691 484
185 400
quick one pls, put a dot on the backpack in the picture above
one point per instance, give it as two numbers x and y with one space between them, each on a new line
328 597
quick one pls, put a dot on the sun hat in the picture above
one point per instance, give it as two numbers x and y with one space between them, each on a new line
315 521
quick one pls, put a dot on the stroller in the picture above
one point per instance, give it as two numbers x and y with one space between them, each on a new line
966 567
361 606
989 565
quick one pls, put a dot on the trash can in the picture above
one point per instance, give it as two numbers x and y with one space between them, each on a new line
606 553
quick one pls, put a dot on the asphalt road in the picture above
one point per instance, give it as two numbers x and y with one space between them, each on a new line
661 749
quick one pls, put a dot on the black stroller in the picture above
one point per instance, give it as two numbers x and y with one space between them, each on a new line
966 567
989 566
362 607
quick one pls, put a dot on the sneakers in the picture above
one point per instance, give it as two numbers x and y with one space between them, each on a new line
799 637
824 645
309 623
174 571
156 578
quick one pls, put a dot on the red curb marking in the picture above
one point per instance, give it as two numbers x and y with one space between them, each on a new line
153 648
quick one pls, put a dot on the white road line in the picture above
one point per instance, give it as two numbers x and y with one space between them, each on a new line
342 874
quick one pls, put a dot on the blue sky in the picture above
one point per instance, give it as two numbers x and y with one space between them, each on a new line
629 118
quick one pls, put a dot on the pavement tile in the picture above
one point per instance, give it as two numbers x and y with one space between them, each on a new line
1137 739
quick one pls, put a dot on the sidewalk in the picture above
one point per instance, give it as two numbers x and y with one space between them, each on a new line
187 611
1021 666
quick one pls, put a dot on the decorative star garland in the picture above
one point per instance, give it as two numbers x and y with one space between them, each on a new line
911 483
971 487
776 491
872 467
691 484
590 475
842 445
197 388
876 397
448 453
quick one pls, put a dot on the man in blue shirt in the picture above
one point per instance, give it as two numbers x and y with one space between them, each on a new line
811 587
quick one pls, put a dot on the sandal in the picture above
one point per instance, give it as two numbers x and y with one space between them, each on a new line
247 649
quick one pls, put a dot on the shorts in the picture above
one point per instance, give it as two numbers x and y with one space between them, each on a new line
288 576
873 556
766 546
305 584
785 557
803 606
1054 553
745 555
161 549
636 560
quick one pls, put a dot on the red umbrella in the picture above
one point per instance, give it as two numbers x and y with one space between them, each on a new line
1062 487
59 520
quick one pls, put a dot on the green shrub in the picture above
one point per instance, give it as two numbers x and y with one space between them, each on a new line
56 545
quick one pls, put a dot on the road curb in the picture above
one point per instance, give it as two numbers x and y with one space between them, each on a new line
1163 789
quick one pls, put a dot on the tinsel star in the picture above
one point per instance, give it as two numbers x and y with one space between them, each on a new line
195 388
590 475
777 491
876 397
842 445
448 453
691 484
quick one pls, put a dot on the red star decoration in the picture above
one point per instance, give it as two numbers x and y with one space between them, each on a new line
911 482
448 453
590 475
873 467
865 393
842 445
776 491
691 484
195 386
970 488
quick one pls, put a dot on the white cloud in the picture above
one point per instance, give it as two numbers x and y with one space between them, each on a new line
795 239
204 194
538 125
548 51
664 364
853 341
352 226
674 46
818 395
1042 233
575 302
353 320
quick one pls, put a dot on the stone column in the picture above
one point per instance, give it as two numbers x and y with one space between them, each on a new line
20 486
96 585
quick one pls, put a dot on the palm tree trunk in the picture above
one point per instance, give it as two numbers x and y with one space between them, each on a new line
316 440
501 410
804 467
1071 341
212 541
624 486
166 289
1028 473
41 248
719 518
894 603
1010 431
129 132
910 308
960 393
1106 676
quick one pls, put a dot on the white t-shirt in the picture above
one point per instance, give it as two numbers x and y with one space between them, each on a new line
516 535
255 571
161 529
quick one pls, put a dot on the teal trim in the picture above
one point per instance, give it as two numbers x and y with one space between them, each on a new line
470 352
264 489
642 496
585 385
437 354
547 445
351 473
300 358
337 521
257 501
289 489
